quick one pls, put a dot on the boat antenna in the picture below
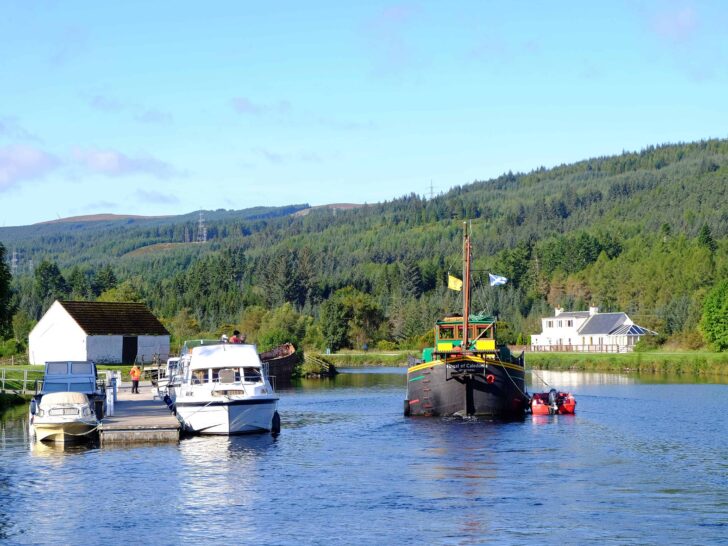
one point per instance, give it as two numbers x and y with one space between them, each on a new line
466 284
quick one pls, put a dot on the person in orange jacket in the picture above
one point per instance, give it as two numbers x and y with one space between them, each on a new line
135 374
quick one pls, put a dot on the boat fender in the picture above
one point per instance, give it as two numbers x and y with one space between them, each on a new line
33 406
490 379
406 408
168 400
275 428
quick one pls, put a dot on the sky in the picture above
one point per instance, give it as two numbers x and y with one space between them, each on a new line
157 108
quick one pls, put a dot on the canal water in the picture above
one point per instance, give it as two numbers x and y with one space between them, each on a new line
644 461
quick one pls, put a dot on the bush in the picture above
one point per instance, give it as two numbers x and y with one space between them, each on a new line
385 345
649 343
10 347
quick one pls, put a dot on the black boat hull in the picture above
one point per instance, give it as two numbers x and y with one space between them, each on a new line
466 387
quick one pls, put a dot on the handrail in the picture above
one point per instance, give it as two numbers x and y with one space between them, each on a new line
12 382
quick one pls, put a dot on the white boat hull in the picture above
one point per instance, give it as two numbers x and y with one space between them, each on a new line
69 431
239 416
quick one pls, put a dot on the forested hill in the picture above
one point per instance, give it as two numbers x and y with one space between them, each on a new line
642 232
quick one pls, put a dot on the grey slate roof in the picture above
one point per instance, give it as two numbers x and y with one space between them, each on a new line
602 323
110 318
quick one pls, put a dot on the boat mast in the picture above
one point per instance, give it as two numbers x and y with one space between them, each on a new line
466 284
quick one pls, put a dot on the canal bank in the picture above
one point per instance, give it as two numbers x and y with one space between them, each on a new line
701 363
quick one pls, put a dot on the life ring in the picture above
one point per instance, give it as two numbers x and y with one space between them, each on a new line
490 379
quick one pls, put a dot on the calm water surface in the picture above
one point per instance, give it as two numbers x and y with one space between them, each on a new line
643 462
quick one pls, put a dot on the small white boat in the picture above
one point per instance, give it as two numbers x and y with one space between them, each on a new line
63 417
68 403
224 389
166 377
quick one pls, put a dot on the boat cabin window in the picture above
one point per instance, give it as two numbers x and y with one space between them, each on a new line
199 376
226 375
57 368
447 332
82 368
482 332
251 375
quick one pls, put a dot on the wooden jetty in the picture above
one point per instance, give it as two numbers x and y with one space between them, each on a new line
139 418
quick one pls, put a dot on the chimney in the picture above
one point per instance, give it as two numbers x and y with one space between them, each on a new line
593 311
557 311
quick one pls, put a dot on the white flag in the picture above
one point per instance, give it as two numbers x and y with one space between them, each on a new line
497 280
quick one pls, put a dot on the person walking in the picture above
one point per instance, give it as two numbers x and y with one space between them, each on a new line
135 374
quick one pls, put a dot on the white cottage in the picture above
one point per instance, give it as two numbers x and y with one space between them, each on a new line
588 331
99 331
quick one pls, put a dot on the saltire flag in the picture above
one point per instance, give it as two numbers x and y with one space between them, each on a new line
453 283
497 280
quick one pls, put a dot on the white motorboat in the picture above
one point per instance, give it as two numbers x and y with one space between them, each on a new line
63 417
224 390
68 403
164 378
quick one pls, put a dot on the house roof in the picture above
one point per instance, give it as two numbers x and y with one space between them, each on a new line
602 323
573 314
112 318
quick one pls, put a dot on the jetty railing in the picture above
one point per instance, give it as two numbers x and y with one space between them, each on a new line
19 381
582 348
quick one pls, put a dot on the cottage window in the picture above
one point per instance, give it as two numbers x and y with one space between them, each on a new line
570 323
560 323
551 324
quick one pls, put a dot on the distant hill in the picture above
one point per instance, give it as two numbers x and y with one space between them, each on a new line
334 207
99 218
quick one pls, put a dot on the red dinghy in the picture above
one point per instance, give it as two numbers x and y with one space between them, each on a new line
553 403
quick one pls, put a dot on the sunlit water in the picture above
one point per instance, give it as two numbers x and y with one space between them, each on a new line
644 461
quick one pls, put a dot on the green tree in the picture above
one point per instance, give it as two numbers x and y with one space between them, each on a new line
49 285
22 325
714 324
6 307
105 279
705 238
335 324
126 291
282 325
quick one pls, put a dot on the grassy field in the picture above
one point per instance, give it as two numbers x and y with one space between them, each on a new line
696 362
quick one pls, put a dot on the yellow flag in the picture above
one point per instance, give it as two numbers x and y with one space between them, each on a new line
453 283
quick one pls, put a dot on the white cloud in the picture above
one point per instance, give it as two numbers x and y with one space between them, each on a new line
114 163
24 163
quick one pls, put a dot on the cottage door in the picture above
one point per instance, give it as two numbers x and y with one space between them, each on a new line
129 349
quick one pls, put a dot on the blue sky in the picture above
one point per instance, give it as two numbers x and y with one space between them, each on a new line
160 108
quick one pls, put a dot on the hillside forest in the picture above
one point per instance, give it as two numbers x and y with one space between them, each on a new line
642 232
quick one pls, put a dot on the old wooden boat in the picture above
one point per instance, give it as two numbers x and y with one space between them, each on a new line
466 372
281 362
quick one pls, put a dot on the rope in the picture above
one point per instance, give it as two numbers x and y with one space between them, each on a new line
514 383
541 379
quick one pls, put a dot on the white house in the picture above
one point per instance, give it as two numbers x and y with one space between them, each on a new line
588 331
98 331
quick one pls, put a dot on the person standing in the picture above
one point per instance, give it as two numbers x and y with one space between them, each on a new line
135 374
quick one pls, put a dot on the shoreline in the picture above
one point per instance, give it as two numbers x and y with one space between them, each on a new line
694 363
